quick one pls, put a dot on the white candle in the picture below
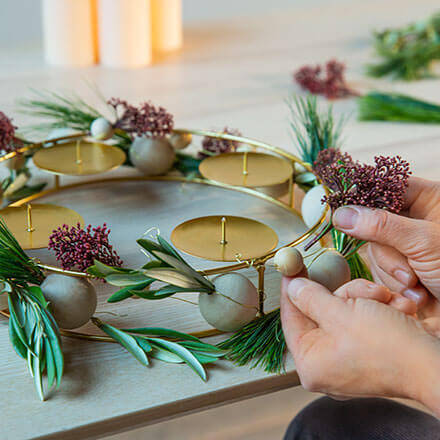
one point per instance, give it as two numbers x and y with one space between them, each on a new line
68 32
166 23
124 33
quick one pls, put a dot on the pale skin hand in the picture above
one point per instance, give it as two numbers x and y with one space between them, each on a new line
351 344
405 249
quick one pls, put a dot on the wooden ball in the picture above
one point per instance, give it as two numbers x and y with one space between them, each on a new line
72 300
331 270
101 129
288 261
152 156
233 305
179 141
312 207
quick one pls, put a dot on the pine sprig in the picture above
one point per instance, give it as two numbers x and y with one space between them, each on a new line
408 52
312 129
377 106
15 265
58 111
144 343
260 343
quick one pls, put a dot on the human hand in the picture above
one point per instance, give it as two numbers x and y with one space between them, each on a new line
358 347
405 250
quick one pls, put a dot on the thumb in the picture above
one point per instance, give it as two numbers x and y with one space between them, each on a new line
316 302
409 236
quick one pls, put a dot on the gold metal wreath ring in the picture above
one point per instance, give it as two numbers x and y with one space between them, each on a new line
225 269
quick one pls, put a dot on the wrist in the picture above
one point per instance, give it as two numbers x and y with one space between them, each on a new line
425 385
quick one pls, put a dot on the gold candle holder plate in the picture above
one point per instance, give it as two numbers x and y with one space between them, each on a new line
224 238
79 158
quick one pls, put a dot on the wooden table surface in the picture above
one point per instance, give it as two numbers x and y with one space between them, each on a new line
235 73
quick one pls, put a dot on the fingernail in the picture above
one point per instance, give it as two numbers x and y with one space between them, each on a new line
295 287
414 295
345 218
402 275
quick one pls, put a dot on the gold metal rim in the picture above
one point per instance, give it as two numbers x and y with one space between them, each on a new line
213 271
242 265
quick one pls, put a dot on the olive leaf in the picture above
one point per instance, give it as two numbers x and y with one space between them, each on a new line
129 291
172 276
35 336
127 279
183 349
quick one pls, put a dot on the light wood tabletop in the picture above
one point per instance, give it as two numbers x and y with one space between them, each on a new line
234 73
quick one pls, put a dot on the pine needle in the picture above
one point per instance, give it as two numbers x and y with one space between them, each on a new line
313 130
260 343
407 53
58 111
377 106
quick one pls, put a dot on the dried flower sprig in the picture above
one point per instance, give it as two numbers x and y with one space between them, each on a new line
8 140
76 247
329 81
380 186
213 146
145 120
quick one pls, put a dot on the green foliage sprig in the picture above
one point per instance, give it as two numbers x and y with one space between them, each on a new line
167 267
260 343
408 52
377 106
35 336
144 343
312 129
33 331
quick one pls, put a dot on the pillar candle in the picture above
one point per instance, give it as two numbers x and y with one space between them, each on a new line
124 33
68 32
166 23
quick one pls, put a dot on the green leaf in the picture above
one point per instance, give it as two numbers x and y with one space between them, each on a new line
201 346
143 343
128 291
169 249
183 353
50 363
205 358
54 340
148 245
19 347
174 277
127 341
14 304
153 264
184 268
126 279
38 294
157 331
163 292
165 356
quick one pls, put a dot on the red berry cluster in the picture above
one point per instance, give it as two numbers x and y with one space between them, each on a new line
145 120
7 134
332 84
213 146
78 248
382 185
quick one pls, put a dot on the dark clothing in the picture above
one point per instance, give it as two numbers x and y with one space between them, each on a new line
362 419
